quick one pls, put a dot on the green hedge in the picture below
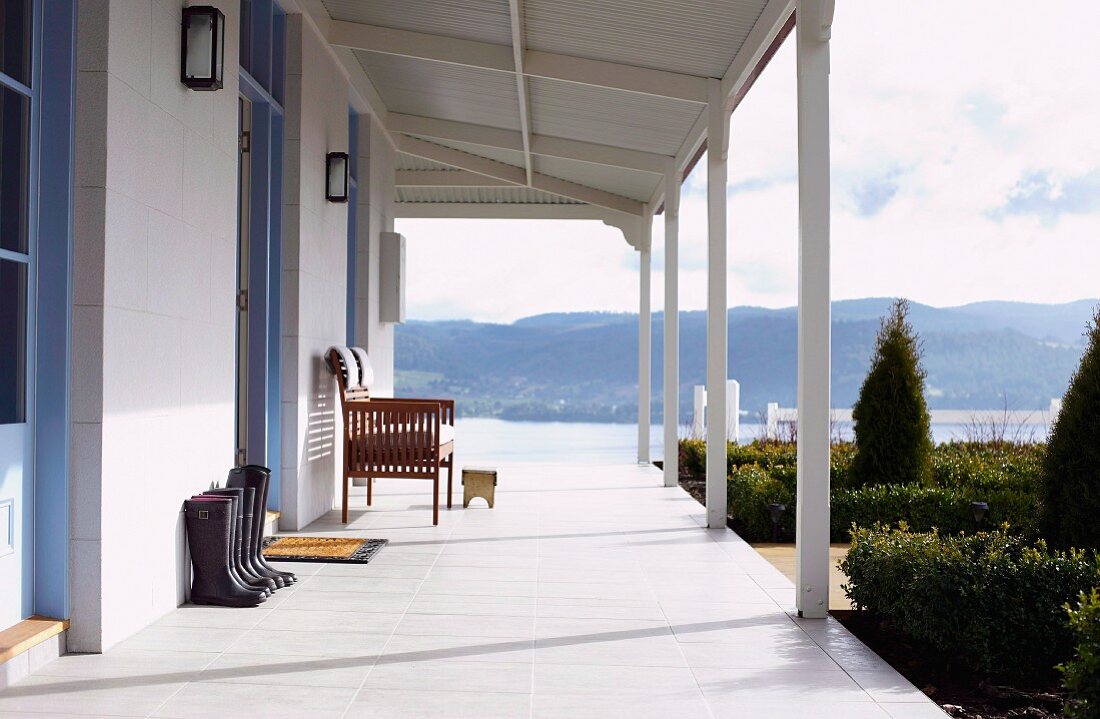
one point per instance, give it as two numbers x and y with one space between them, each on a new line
1006 476
1081 674
991 601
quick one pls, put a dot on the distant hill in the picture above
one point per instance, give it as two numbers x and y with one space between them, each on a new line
583 366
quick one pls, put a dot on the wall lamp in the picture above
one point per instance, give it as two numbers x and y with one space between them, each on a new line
202 48
336 177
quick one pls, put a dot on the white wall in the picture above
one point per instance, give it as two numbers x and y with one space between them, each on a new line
377 196
314 276
154 299
154 310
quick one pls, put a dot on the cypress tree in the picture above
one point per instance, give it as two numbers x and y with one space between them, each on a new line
893 431
1071 466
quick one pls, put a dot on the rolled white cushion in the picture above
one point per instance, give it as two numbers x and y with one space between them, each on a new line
366 372
352 378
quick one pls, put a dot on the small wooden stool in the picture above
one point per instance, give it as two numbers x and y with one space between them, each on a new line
478 482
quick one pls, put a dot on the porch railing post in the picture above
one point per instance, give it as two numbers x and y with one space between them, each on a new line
814 19
645 338
671 401
717 328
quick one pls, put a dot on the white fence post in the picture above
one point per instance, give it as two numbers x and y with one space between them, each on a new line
698 417
771 428
733 410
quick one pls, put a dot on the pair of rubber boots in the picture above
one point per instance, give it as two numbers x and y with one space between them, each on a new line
225 530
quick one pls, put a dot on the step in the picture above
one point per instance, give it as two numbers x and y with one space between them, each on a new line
27 646
271 524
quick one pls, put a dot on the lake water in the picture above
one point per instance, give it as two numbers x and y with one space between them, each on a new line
495 440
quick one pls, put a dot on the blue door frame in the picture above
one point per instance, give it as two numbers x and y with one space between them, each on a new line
42 544
262 82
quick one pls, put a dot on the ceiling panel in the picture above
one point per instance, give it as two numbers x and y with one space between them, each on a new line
610 117
436 89
481 20
628 183
504 195
696 37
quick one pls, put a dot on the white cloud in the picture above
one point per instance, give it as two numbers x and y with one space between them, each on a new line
942 113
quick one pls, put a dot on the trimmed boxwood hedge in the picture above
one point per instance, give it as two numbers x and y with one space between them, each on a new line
1081 674
990 601
1004 476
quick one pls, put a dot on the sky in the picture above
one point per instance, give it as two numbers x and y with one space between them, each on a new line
965 140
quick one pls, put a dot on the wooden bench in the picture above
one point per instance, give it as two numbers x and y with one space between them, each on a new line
392 438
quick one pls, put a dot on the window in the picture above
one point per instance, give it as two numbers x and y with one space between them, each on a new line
13 341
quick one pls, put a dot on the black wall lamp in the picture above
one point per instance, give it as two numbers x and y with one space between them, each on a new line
336 177
202 48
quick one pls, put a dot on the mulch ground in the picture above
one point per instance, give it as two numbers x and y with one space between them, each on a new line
960 694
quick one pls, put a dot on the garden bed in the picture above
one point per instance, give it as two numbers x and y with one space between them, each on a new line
961 695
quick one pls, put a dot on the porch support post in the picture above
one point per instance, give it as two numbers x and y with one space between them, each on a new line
717 331
645 336
671 382
814 18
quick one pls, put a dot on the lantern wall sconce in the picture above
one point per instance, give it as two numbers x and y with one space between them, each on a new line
336 177
202 48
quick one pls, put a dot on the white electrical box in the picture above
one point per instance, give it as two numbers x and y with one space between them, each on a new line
391 278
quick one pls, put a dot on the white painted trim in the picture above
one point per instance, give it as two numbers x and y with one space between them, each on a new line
489 56
515 11
814 314
767 26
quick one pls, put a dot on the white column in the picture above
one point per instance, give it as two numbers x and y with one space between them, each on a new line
814 18
717 146
671 399
645 338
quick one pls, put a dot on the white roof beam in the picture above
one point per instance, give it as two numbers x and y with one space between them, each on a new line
446 178
461 160
515 8
489 56
544 145
501 211
768 26
517 175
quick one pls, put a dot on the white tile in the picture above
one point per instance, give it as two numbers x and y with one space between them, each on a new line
452 676
272 701
404 704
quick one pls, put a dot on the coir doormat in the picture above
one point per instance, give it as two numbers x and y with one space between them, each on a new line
348 550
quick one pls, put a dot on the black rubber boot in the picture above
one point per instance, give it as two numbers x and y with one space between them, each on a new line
259 479
248 554
248 576
208 522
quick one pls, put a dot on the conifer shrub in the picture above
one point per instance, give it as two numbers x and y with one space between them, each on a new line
893 433
1071 467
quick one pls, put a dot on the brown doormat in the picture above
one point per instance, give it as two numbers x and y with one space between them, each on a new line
348 550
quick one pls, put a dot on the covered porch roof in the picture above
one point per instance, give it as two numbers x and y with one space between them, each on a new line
554 109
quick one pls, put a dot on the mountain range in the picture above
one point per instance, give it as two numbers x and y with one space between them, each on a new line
583 366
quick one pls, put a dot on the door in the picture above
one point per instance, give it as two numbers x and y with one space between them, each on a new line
17 279
244 192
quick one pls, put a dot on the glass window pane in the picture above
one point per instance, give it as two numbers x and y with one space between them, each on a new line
13 341
15 39
14 145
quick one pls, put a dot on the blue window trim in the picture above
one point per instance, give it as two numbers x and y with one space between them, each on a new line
55 78
262 83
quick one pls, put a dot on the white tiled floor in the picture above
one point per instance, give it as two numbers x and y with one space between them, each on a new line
589 591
